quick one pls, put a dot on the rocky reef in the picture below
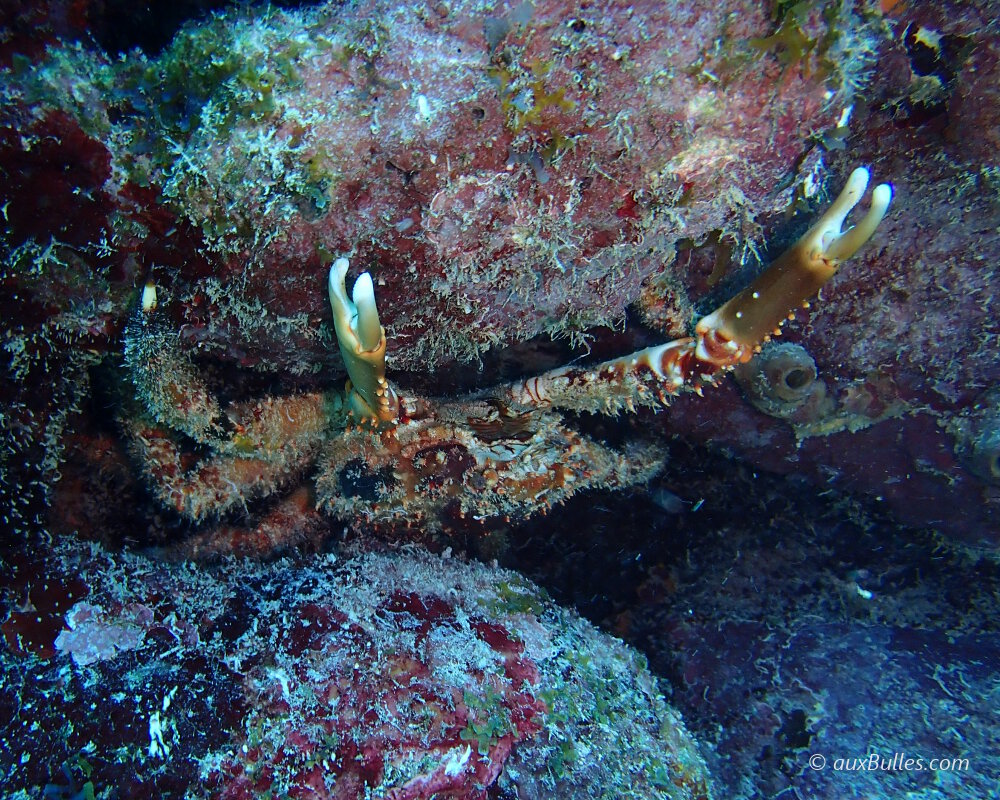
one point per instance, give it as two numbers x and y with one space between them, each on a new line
392 676
544 201
506 175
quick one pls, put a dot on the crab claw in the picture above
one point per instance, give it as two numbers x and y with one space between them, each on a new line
734 332
362 344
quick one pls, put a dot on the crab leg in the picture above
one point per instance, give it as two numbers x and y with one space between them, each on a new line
728 336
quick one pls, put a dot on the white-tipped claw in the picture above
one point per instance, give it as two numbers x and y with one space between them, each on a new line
838 245
366 323
848 243
343 309
850 196
360 314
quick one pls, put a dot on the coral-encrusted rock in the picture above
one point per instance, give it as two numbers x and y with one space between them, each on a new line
905 339
508 171
503 171
391 676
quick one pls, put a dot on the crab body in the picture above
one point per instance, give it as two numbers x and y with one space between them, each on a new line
500 455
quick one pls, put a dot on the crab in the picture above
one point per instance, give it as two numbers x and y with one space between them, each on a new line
385 457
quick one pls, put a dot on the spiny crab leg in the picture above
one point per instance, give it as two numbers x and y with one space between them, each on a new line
729 335
361 337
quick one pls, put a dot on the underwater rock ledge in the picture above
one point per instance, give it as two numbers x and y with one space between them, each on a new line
391 675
